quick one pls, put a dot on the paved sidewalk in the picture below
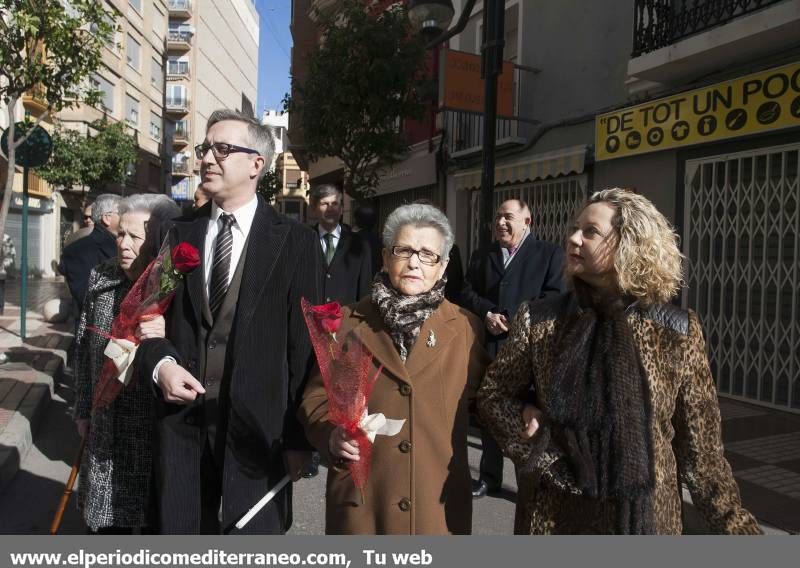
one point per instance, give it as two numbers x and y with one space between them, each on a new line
35 365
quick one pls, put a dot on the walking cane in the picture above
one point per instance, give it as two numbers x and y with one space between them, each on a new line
62 505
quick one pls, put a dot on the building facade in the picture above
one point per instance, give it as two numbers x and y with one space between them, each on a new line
211 63
696 105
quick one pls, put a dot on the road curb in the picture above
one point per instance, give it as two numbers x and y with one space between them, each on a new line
30 394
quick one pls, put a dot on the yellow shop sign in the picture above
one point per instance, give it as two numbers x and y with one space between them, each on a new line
756 103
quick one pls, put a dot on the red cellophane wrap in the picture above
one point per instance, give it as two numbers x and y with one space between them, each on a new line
344 364
149 296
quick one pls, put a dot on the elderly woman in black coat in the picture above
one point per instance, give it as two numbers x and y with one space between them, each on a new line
114 483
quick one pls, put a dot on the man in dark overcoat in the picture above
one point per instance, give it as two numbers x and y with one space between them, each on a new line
346 257
81 255
233 365
501 275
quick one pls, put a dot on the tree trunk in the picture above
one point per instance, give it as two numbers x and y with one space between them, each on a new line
12 160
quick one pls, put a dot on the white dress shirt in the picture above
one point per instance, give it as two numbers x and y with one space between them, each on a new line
337 234
239 231
507 256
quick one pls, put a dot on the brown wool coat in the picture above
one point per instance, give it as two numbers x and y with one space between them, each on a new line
419 481
685 429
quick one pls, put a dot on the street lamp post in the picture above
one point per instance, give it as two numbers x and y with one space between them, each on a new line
432 18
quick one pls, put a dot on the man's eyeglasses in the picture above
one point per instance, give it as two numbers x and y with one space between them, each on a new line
425 256
220 150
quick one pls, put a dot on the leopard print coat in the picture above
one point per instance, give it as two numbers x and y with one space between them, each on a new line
685 425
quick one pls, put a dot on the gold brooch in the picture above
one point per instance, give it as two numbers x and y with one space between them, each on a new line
431 339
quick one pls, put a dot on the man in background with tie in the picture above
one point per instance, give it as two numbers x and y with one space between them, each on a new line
501 275
347 258
233 365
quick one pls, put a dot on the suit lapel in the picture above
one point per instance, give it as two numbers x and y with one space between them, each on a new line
265 242
195 234
345 239
435 329
496 258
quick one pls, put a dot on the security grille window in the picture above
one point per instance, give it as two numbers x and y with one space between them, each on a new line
553 204
133 53
156 74
107 90
155 126
131 111
742 241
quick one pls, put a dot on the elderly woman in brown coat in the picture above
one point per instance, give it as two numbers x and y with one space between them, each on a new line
624 386
432 357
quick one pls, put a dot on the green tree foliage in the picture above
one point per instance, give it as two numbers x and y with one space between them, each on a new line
50 49
269 186
93 161
366 73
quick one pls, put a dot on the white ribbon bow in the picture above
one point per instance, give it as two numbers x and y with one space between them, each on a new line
377 424
122 352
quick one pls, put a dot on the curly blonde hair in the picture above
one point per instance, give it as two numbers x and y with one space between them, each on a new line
648 260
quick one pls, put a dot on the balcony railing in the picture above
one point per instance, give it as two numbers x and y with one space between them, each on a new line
178 68
179 39
659 23
464 131
182 168
177 104
181 136
183 7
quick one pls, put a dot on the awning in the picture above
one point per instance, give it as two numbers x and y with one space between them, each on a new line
562 162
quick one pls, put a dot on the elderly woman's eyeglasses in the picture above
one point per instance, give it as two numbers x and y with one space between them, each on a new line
425 256
220 150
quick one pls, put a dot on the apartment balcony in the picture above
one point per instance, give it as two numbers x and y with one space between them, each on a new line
181 137
181 168
179 8
294 189
464 132
177 105
678 40
177 70
179 40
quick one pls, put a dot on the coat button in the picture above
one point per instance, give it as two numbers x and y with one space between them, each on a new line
190 420
405 504
405 446
212 344
327 276
405 389
210 381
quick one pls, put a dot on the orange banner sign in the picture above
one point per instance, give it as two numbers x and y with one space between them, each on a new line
462 87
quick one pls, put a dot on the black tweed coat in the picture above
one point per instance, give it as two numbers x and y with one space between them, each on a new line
115 477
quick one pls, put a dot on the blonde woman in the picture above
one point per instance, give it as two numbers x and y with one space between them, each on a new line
623 383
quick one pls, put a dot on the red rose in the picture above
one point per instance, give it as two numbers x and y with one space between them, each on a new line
185 258
328 316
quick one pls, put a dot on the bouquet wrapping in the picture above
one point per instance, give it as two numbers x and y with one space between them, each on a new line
150 296
344 365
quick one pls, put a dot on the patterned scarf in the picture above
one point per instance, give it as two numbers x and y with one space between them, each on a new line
599 404
404 315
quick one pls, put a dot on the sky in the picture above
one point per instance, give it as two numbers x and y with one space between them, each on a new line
275 48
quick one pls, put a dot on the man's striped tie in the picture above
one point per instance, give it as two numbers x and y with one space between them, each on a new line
222 264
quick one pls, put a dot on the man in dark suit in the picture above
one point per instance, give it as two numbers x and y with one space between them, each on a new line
232 368
515 268
346 257
81 255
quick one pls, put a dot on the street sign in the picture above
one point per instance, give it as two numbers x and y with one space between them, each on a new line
35 151
757 103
